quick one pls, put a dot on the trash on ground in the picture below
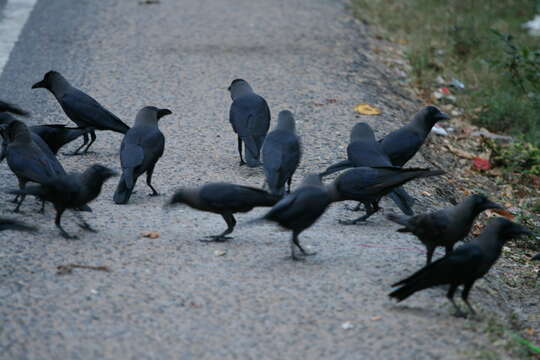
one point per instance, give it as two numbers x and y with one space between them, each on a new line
366 109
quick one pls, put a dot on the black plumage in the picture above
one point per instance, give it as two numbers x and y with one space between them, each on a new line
445 227
250 119
281 154
465 265
81 108
224 199
141 148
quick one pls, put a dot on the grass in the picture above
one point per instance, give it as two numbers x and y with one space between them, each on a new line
482 44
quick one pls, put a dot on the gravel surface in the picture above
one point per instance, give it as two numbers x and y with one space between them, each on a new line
173 297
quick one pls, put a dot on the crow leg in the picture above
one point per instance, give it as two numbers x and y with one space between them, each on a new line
242 162
65 235
231 222
450 296
15 199
371 208
430 251
448 249
22 186
465 295
42 210
149 173
296 243
83 224
92 139
289 181
85 141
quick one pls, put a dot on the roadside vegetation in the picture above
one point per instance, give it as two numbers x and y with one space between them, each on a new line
476 61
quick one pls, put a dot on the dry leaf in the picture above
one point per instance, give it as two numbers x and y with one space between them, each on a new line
503 212
375 318
150 235
425 193
220 252
366 109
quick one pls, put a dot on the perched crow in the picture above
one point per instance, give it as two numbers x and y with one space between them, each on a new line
369 184
28 157
141 148
447 226
300 209
14 109
281 154
58 135
12 224
250 120
364 150
224 199
463 266
71 191
401 145
82 109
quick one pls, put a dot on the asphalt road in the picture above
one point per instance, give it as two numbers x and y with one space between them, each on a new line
172 297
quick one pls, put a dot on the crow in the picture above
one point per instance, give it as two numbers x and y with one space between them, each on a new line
300 209
445 227
401 145
463 266
281 154
14 109
28 157
141 148
71 191
58 135
369 184
224 199
364 150
250 119
82 109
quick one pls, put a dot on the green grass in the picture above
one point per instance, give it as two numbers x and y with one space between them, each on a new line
468 40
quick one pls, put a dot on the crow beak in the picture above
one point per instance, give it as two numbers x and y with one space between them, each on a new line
229 88
39 84
112 173
163 112
493 205
442 116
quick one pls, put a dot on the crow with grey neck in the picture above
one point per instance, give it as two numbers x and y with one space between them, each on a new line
12 224
14 109
301 209
465 265
444 227
369 184
141 149
82 109
364 150
281 154
224 199
28 157
401 145
71 191
250 119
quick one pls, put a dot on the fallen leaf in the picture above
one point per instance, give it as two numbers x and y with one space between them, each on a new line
425 193
366 109
481 164
150 235
376 318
